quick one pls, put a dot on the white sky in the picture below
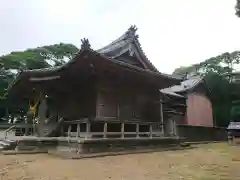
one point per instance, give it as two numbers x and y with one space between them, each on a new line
172 32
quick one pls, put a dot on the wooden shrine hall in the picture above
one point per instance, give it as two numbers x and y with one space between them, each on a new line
113 92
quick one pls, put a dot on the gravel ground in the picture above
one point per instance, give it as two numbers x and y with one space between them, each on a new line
206 162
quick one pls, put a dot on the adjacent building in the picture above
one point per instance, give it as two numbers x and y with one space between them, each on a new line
198 101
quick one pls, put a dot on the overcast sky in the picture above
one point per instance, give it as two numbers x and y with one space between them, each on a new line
172 32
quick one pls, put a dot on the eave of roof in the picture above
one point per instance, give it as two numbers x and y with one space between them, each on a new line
131 38
170 93
173 77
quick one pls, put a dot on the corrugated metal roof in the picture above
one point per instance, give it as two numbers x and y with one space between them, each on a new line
187 84
234 126
183 86
166 91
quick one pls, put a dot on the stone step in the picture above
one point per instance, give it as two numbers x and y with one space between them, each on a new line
15 152
7 144
72 155
4 143
9 141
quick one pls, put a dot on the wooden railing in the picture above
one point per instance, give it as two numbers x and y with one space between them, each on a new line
19 130
8 130
150 133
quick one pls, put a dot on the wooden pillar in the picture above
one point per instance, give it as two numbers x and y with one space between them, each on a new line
161 114
62 131
172 124
118 110
26 131
137 130
174 128
105 130
122 130
98 104
150 130
69 130
233 139
58 116
78 130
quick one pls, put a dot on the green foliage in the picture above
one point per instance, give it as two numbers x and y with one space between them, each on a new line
237 7
221 97
183 70
223 92
41 57
235 113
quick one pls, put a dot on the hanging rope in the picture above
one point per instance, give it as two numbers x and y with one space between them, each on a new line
33 106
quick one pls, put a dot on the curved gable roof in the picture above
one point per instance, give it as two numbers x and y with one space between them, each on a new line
128 42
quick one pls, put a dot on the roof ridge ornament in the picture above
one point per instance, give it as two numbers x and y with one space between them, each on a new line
132 32
85 44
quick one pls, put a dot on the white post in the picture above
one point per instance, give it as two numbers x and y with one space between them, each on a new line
105 130
122 130
69 130
137 130
88 130
150 129
78 130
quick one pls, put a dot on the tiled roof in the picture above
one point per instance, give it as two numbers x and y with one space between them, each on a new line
128 42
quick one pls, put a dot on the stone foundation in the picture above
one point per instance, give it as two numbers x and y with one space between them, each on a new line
35 144
201 133
76 148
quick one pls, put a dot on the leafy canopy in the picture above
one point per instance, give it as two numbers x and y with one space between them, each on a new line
41 57
217 71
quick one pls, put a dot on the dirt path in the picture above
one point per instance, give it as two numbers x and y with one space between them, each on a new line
207 162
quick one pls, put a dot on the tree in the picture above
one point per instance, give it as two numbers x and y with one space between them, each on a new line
223 92
237 7
235 111
184 70
221 97
41 57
